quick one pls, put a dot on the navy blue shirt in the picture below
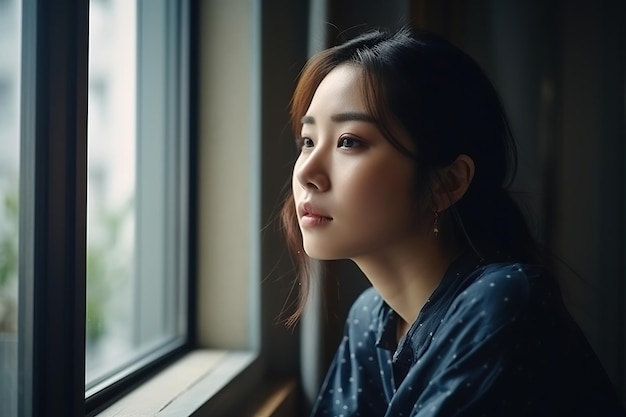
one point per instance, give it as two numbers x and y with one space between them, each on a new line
492 340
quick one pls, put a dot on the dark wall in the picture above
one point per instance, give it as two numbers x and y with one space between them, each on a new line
559 66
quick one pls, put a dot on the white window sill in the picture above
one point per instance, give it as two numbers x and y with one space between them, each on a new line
183 388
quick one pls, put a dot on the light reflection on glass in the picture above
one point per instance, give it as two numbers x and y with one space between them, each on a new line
111 133
10 49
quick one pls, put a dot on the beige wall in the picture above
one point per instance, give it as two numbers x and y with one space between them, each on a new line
225 144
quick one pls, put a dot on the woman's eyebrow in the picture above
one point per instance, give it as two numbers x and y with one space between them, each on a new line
307 120
342 117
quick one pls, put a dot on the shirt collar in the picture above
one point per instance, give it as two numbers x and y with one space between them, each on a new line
437 304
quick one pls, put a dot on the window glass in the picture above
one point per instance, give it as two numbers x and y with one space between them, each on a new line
10 35
136 229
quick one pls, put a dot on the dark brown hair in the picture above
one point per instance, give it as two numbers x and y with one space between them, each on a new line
446 104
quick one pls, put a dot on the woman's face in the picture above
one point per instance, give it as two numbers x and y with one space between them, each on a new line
353 191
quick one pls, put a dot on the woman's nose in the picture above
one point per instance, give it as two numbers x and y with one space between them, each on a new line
312 170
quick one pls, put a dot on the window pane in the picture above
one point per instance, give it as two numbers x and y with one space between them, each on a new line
135 274
10 41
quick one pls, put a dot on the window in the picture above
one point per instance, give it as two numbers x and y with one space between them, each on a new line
103 279
136 185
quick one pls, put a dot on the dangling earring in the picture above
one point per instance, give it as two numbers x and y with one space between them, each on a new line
436 228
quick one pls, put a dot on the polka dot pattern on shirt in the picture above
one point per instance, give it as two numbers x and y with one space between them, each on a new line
460 352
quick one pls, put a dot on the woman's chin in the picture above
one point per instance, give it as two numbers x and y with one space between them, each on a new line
321 254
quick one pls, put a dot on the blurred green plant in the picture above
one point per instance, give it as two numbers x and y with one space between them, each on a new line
107 266
9 260
8 239
104 269
98 293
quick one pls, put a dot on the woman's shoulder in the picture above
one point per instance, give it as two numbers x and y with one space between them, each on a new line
504 277
498 293
505 281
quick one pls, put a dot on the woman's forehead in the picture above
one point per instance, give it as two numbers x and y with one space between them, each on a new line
340 91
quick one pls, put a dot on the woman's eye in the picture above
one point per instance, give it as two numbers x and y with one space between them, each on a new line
348 142
304 142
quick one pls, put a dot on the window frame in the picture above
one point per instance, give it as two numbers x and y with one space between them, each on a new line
53 199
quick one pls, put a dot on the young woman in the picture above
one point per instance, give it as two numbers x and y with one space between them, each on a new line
405 157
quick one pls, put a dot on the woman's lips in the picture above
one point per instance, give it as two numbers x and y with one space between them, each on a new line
311 220
311 216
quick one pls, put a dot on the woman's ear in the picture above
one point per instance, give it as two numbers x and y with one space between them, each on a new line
452 182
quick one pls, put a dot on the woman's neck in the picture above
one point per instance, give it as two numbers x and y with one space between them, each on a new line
407 276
